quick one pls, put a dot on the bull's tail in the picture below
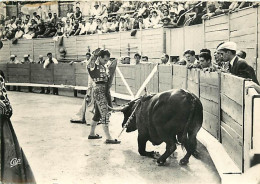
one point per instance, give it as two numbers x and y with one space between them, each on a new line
190 119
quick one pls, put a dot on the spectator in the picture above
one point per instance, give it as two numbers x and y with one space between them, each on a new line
144 11
13 60
167 22
19 33
26 26
166 13
212 8
26 59
104 11
67 28
20 17
88 56
115 25
105 25
236 5
126 60
50 31
38 19
237 66
144 59
96 11
223 7
7 34
78 14
113 7
165 59
241 54
92 26
55 20
60 29
135 24
204 60
75 29
41 60
190 57
99 25
32 29
155 20
122 25
83 27
128 22
142 24
137 58
40 29
49 18
47 62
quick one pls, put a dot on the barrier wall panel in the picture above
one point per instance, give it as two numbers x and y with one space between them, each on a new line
177 42
210 123
179 77
18 73
193 81
194 42
42 47
233 148
39 75
5 52
232 123
234 92
168 41
81 75
222 19
64 74
165 77
110 41
21 48
210 106
71 47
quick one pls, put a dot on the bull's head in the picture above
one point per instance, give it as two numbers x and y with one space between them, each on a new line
128 109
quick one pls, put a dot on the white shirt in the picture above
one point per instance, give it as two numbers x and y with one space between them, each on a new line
92 27
232 61
96 12
47 62
19 34
83 28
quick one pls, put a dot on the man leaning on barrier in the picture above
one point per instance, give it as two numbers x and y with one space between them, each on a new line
237 66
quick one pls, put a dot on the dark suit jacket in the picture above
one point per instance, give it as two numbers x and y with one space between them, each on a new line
242 69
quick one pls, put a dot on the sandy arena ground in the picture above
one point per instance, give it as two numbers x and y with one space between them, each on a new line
59 151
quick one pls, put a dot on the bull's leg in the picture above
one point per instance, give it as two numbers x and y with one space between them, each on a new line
170 148
190 145
142 140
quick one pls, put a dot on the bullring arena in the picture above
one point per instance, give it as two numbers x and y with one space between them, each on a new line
60 151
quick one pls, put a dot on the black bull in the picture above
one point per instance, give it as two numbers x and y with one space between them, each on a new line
165 117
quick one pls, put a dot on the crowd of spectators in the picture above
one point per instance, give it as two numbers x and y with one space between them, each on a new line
116 16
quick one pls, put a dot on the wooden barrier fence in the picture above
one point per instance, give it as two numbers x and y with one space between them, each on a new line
222 95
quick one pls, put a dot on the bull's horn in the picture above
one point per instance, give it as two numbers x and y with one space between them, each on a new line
118 109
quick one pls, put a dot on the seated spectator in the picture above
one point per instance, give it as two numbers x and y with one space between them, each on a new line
237 66
7 34
113 7
114 25
75 28
105 25
19 33
26 59
137 58
204 60
212 8
83 27
41 60
13 60
50 31
99 25
165 59
167 23
96 11
60 29
26 26
122 25
49 18
128 22
144 11
32 29
223 7
20 17
241 54
142 24
55 19
67 28
78 14
166 13
38 19
144 59
40 29
197 18
135 24
92 26
104 11
155 20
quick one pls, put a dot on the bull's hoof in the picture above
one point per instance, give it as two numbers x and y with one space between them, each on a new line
150 154
184 161
196 154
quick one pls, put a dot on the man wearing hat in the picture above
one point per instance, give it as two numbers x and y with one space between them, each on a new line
26 59
41 60
237 65
96 11
167 22
13 59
